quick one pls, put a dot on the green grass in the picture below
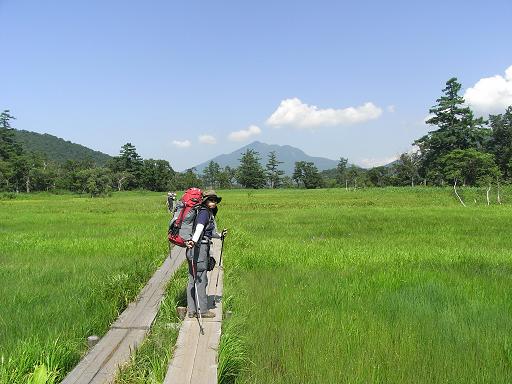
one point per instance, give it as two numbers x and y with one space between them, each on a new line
368 286
326 286
68 266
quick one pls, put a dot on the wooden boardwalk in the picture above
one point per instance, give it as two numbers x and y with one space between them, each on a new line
195 358
101 363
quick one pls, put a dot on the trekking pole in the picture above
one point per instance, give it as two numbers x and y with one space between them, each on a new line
198 308
220 260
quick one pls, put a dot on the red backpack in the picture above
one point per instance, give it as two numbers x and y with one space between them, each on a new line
182 225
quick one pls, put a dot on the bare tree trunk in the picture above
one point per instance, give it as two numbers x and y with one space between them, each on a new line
120 183
27 184
498 197
455 189
487 194
346 185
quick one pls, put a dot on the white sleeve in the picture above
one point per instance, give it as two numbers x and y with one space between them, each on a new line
197 233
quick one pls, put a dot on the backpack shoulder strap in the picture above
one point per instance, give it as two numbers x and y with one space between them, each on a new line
199 208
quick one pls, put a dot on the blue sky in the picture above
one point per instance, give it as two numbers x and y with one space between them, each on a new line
186 81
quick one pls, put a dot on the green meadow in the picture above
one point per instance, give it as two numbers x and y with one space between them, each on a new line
368 286
395 285
68 266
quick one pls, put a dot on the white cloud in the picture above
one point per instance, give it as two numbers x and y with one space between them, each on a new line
391 108
491 94
294 113
244 134
207 139
182 144
370 163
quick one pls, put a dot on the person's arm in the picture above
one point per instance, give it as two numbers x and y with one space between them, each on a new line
202 220
197 233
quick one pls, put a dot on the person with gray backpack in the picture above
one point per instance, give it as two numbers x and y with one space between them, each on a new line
198 255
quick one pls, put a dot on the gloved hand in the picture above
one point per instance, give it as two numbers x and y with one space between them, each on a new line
224 233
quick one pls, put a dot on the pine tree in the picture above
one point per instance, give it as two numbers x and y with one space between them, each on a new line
211 174
306 173
9 147
274 174
250 173
128 167
501 141
341 171
457 128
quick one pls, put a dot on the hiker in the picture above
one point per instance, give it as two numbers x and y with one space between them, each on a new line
198 251
171 201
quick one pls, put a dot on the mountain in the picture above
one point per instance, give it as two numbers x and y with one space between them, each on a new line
57 149
285 153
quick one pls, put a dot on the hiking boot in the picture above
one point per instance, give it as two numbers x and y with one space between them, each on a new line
192 314
208 315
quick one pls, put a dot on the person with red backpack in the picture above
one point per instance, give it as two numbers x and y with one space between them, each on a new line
198 254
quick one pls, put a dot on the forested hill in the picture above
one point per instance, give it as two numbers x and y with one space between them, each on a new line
57 149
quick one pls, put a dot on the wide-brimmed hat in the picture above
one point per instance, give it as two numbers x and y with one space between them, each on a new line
211 193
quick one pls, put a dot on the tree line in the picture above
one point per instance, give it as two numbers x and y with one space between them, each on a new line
461 150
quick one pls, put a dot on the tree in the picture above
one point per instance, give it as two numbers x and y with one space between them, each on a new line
470 167
94 181
9 147
211 174
120 179
341 171
157 175
500 143
356 176
405 170
274 174
379 176
128 162
20 173
70 178
250 173
32 165
457 128
186 180
306 173
226 177
45 175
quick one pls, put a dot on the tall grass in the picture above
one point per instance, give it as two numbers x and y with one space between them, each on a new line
326 286
68 266
368 286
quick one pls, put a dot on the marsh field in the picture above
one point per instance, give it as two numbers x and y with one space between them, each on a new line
387 285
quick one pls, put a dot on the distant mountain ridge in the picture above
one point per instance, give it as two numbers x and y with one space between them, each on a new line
58 149
285 153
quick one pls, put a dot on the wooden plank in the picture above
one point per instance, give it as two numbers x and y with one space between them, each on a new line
195 357
180 369
120 356
205 366
142 312
101 363
87 368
